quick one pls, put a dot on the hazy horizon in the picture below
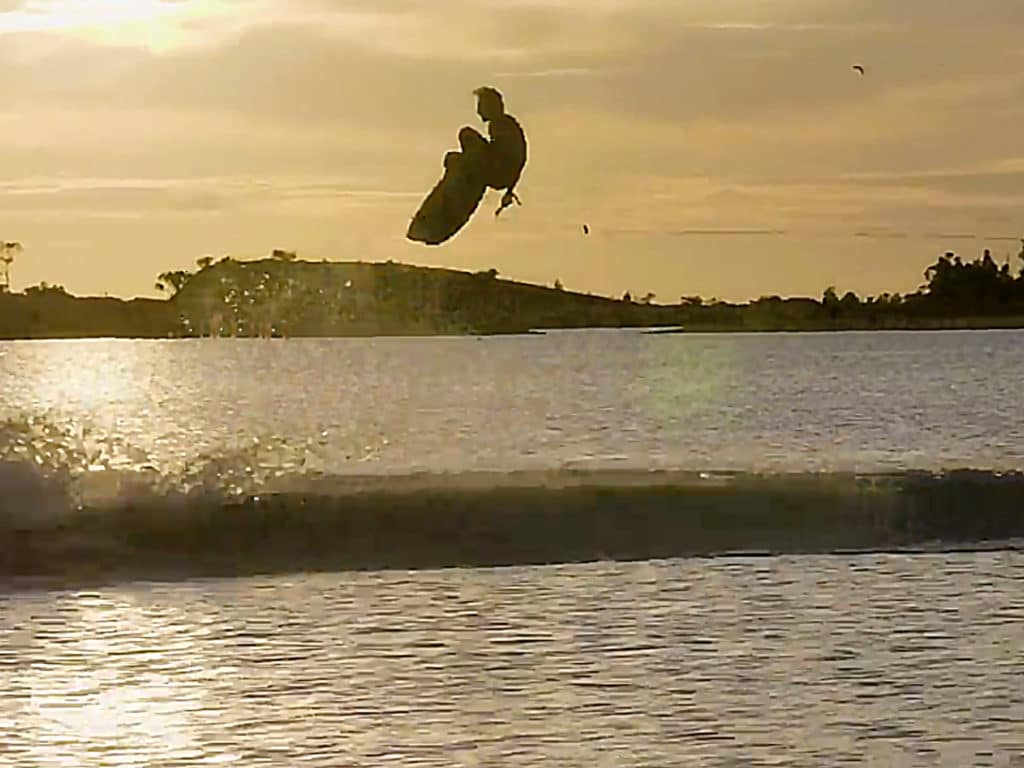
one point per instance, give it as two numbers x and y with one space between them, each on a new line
718 148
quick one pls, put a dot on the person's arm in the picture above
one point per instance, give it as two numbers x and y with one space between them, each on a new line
510 195
505 138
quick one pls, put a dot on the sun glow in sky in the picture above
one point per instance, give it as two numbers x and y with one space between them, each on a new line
154 24
716 148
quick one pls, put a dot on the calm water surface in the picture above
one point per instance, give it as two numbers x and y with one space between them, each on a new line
875 660
768 401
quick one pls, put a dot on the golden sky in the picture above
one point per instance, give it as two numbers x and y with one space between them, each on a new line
716 147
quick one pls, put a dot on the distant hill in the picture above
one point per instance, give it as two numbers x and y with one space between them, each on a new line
51 313
282 296
277 297
300 298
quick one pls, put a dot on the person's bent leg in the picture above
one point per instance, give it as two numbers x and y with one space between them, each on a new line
471 141
452 161
475 152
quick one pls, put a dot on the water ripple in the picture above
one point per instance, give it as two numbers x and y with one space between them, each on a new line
895 660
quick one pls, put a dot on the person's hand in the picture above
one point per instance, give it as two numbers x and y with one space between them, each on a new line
506 200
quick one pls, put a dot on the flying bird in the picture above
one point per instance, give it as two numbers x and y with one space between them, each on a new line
858 68
586 230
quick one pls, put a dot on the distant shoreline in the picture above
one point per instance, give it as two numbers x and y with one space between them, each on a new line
967 324
285 297
397 334
1015 324
951 324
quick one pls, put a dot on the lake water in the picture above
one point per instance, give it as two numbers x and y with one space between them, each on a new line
785 402
876 660
869 660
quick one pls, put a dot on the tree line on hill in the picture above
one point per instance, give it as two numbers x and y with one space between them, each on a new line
283 296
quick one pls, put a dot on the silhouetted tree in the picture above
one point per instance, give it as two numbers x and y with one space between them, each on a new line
172 282
8 250
978 287
282 255
627 297
45 288
558 285
849 302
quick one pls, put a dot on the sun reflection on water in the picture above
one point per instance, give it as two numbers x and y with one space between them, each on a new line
110 682
88 375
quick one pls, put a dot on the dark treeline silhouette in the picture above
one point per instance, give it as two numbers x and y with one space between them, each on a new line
956 294
49 312
954 290
285 296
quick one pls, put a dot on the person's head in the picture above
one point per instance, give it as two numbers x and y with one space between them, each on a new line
489 103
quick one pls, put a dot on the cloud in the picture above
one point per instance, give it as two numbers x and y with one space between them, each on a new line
647 59
881 235
556 72
192 196
701 232
949 236
950 15
713 121
155 25
1001 178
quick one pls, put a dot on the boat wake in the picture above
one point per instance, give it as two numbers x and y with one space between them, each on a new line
64 518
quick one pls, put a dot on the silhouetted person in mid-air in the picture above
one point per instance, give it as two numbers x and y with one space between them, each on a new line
504 156
496 162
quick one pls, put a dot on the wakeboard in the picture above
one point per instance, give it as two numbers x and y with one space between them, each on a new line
450 204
